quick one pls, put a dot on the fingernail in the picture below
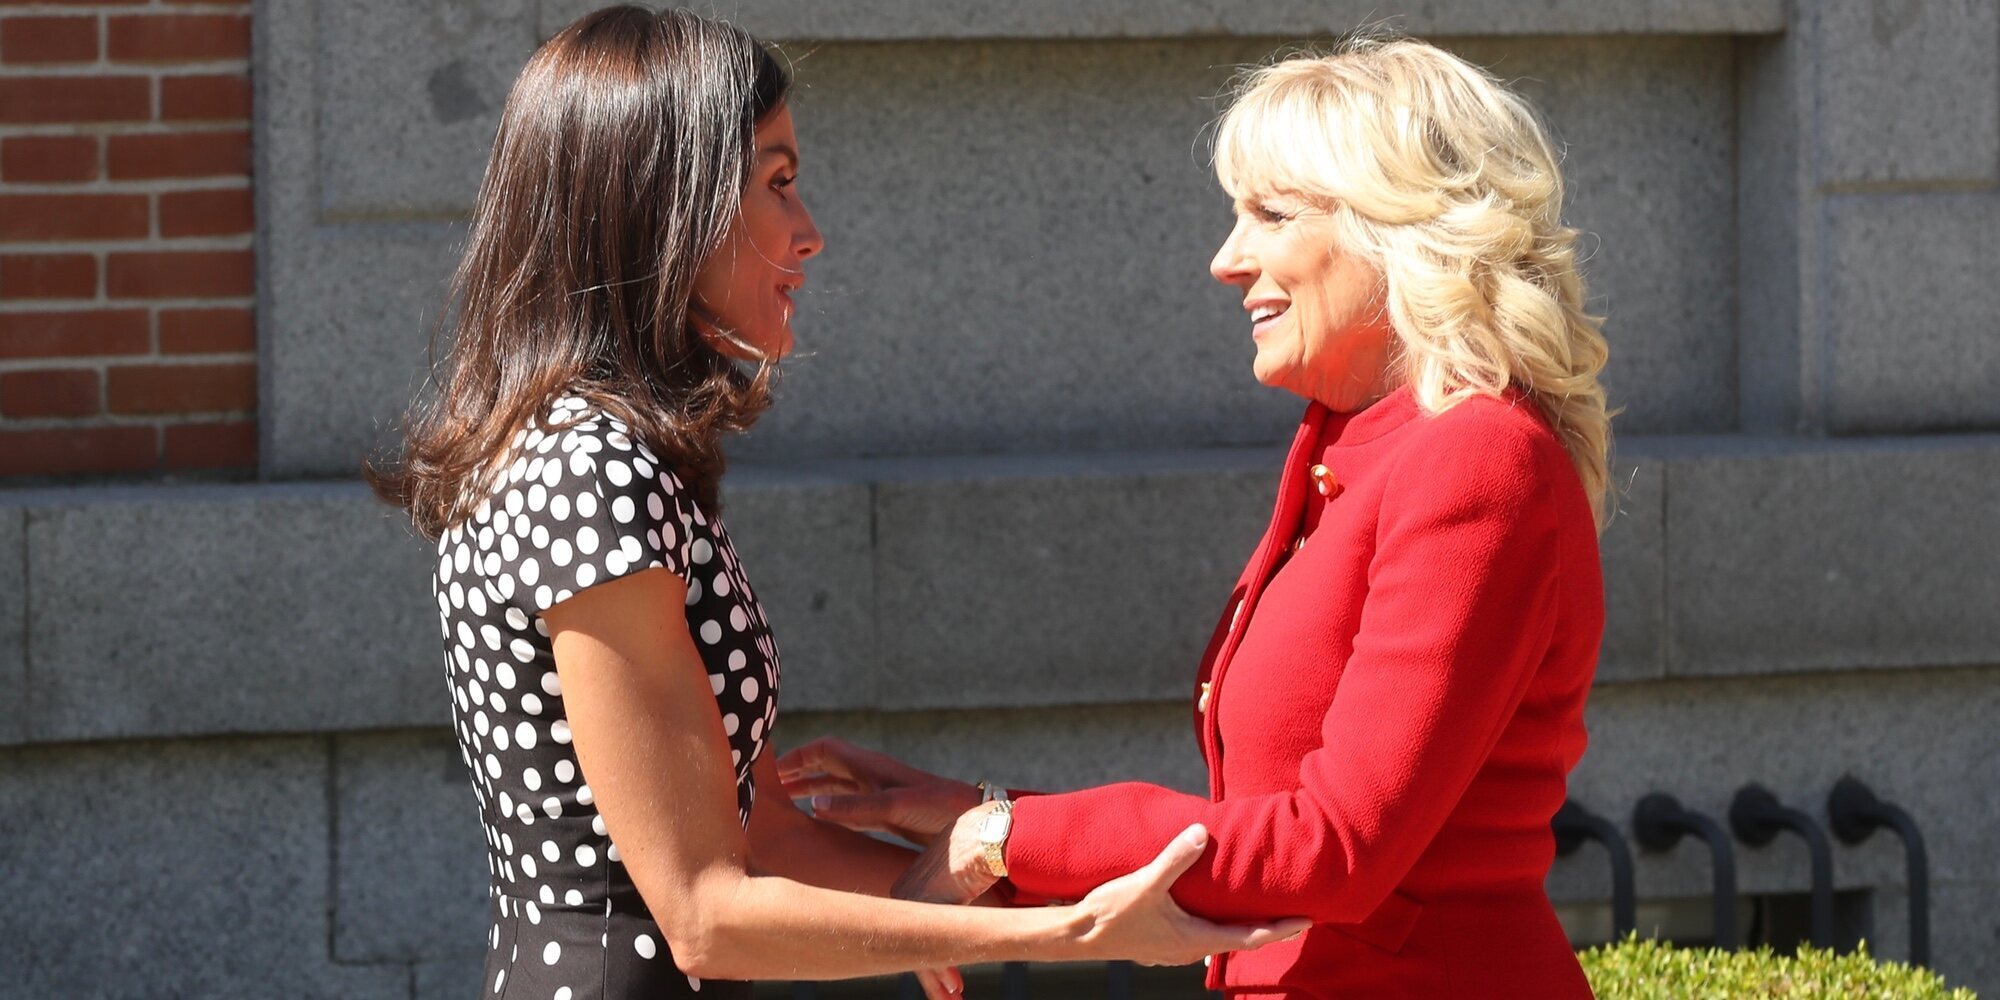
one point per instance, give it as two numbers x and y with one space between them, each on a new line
819 802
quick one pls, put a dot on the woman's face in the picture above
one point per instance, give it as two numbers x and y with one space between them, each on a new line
1317 313
743 294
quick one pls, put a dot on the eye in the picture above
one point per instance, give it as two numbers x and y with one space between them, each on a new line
1267 214
783 181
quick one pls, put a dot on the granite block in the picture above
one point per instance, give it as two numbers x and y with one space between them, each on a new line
1915 737
806 542
866 20
1912 294
1633 549
410 884
14 707
1831 556
168 610
1908 91
1059 581
171 869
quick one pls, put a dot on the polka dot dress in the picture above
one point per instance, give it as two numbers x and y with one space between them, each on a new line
579 503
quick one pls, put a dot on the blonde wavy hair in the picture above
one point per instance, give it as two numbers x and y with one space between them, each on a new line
1438 174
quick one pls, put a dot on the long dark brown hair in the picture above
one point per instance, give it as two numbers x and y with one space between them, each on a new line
619 168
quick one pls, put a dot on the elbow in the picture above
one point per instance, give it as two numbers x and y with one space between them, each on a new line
699 937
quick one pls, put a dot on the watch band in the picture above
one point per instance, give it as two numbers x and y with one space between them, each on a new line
990 791
993 849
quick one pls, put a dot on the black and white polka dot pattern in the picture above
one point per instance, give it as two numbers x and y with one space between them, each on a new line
579 503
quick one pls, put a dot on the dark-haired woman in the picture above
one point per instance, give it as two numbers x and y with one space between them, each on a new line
634 248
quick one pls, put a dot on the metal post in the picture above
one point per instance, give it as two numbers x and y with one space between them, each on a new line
1854 813
1572 825
1757 817
1658 823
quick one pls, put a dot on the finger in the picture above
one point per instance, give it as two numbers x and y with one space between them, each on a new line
1244 937
936 987
813 757
871 809
807 786
1177 857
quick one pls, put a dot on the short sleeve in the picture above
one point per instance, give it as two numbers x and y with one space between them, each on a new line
583 503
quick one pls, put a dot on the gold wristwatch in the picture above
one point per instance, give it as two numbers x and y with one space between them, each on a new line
993 830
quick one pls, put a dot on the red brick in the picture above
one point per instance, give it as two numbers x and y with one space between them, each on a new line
59 451
205 98
51 392
178 154
207 331
27 217
211 446
178 37
62 99
181 388
205 213
187 274
48 276
48 159
74 334
25 40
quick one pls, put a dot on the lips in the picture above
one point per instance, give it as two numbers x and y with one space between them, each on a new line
1265 315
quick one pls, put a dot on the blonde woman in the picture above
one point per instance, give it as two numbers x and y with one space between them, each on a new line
1394 695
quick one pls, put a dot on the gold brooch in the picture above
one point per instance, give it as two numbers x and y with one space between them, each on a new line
1324 480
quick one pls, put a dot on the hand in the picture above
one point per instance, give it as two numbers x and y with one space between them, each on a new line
953 869
867 790
1133 917
941 984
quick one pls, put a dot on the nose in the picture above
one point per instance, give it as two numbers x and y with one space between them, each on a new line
1232 265
806 240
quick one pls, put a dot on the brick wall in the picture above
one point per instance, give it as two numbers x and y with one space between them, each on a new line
126 270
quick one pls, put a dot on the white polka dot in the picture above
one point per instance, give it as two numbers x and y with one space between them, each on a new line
539 537
530 777
618 472
552 954
586 574
715 683
552 684
711 632
586 540
584 796
757 730
737 619
531 704
701 551
586 855
500 981
645 947
505 672
552 806
623 509
657 507
530 571
579 462
529 868
564 994
525 815
559 732
694 592
550 850
586 505
749 689
492 564
737 659
457 594
597 824
491 635
694 984
544 597
500 738
534 912
565 771
538 495
515 501
492 766
559 552
475 601
481 723
524 735
574 897
510 549
465 634
548 896
615 562
611 853
730 723
722 585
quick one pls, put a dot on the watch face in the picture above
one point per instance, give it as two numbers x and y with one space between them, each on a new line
993 829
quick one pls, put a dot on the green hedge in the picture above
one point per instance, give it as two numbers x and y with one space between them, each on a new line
1636 969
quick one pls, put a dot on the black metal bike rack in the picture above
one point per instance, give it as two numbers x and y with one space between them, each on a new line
1757 817
1659 822
1572 825
1854 813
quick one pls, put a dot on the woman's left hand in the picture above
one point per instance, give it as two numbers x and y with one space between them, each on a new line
953 869
869 790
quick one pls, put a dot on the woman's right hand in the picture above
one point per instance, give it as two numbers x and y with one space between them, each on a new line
1133 917
868 790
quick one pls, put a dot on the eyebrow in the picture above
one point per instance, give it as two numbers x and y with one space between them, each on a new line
782 149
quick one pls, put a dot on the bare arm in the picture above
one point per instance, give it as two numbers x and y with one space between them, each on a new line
785 841
651 744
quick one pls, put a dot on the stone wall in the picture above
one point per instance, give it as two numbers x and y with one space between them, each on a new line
1010 481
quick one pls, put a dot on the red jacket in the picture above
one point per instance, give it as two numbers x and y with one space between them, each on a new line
1391 712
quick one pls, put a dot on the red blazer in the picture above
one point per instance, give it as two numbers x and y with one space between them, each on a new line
1391 712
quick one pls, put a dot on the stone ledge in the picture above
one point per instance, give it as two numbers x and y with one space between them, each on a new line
913 20
967 582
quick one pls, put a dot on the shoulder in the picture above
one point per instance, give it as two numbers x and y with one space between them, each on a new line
1496 449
